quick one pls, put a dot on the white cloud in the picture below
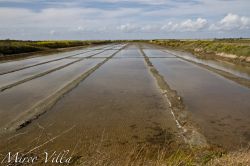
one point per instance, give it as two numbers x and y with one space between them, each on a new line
195 25
150 28
150 2
81 21
127 28
187 25
52 32
170 26
184 26
62 17
232 22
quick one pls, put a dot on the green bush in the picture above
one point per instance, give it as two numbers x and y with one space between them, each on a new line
14 47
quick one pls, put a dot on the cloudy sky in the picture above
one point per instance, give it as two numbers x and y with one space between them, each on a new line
123 19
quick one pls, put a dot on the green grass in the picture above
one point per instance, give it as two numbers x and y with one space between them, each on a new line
8 47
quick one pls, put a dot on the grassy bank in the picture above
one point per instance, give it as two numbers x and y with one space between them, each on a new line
10 47
233 50
149 155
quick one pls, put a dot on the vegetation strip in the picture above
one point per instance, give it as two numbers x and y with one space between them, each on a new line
242 81
11 71
232 50
189 132
10 47
44 105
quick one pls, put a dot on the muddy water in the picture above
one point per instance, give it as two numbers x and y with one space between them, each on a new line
12 65
101 47
4 67
106 54
238 70
26 73
119 46
111 110
235 69
153 53
220 107
132 52
119 107
88 54
20 75
20 98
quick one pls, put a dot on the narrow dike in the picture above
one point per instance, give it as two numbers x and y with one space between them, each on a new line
189 132
3 88
46 104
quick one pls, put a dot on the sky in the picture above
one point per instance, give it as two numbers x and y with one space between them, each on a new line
123 19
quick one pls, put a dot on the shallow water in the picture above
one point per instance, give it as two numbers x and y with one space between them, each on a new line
13 65
238 70
20 98
106 54
26 73
110 109
154 53
219 106
119 106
